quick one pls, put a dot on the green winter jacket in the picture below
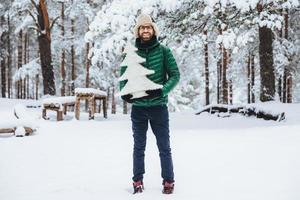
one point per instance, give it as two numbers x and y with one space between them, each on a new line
160 59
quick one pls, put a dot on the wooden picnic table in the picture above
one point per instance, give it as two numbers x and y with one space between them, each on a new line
91 96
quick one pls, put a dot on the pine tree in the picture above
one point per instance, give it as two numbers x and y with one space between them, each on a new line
135 74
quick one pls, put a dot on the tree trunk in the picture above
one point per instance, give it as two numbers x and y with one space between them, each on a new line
20 59
248 80
252 79
219 72
62 64
3 58
230 91
230 82
206 70
73 75
26 54
44 40
3 78
220 69
284 91
289 88
113 101
280 88
24 88
37 81
9 85
224 76
285 71
88 64
107 97
26 59
47 68
288 72
267 88
223 70
28 88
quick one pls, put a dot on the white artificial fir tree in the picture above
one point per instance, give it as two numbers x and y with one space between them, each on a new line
135 74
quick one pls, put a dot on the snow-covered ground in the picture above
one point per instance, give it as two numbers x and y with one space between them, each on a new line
234 158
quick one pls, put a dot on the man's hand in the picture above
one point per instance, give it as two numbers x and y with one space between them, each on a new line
154 93
127 98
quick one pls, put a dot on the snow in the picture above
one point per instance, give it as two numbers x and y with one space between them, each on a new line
21 112
20 131
13 122
267 107
59 100
230 158
30 69
90 91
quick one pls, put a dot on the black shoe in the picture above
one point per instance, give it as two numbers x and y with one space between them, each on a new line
168 187
138 187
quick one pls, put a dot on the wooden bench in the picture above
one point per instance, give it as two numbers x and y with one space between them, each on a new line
58 104
28 130
91 96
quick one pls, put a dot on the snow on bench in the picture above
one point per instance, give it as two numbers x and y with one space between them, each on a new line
58 101
97 92
24 124
58 104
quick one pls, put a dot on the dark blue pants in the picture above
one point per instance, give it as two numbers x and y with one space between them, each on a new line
158 117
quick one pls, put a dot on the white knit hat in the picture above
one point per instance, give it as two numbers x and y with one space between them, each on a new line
144 19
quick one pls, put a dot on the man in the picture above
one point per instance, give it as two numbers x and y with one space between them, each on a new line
152 108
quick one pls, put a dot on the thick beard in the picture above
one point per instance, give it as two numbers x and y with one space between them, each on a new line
147 39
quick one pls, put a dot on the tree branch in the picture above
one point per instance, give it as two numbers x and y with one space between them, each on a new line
34 19
53 22
201 27
234 16
35 5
